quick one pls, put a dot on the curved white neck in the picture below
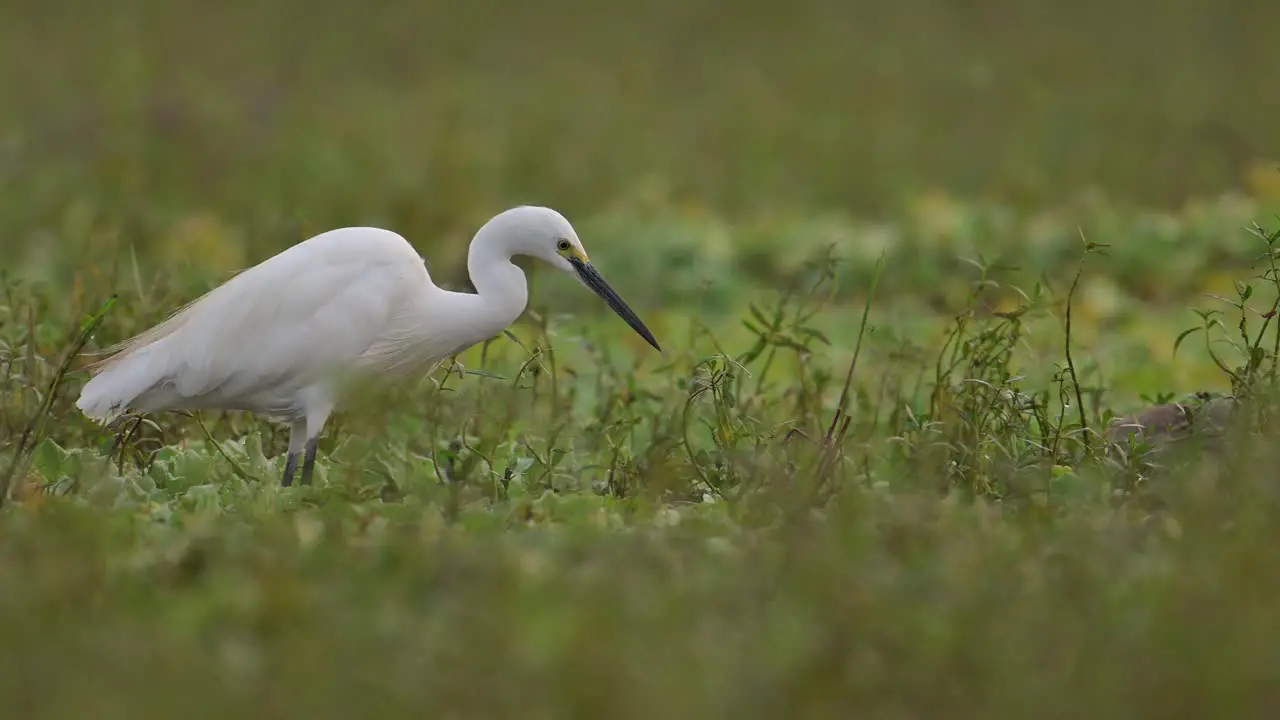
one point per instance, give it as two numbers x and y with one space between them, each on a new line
501 285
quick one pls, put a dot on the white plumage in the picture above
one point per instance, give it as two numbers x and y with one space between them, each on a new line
280 338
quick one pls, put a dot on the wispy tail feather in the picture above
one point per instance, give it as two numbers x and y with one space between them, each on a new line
126 370
118 382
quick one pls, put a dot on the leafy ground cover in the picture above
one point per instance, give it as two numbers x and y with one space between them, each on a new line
721 529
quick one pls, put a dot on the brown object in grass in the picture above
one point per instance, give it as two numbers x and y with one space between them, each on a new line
1172 422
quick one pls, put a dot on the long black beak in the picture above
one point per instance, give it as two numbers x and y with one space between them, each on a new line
592 278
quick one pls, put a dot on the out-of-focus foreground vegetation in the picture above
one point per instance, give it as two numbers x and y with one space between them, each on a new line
720 530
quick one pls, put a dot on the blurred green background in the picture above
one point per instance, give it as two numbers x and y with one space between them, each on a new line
430 115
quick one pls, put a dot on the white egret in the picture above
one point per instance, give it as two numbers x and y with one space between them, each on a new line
281 338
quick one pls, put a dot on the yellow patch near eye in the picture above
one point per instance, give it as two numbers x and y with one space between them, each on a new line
574 253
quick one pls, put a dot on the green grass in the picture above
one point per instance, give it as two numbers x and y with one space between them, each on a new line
788 513
609 532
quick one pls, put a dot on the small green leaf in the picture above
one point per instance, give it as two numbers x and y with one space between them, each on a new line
1183 336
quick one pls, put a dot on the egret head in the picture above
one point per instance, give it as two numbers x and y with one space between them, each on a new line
545 234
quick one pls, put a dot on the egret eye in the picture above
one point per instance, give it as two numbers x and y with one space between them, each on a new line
562 245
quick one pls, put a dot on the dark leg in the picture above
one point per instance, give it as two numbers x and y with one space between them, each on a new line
310 461
290 466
